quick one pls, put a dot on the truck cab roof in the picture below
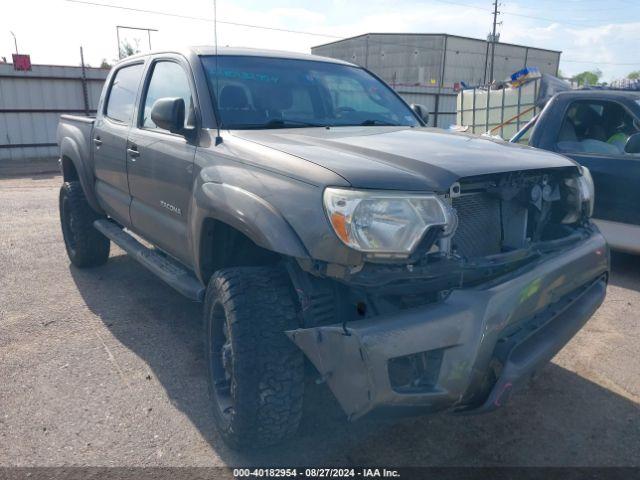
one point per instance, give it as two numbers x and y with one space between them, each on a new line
599 93
206 50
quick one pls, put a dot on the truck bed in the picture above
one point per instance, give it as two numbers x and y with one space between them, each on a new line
77 129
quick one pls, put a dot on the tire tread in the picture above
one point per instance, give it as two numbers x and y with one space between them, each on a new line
269 368
92 248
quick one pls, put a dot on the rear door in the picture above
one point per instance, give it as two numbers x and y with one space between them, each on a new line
594 132
109 140
160 163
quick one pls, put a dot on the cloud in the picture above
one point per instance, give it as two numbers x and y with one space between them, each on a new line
588 48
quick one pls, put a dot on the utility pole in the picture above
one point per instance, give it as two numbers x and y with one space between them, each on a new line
83 78
493 37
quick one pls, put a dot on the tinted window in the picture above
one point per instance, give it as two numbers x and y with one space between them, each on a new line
347 93
261 92
123 92
168 80
596 127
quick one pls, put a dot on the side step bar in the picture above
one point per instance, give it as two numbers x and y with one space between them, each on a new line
169 271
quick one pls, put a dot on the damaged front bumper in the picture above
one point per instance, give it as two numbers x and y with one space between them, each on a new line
468 352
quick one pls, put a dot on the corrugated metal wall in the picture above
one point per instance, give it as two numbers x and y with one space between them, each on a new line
413 65
31 103
465 61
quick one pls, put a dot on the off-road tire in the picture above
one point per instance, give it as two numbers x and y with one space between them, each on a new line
257 306
85 245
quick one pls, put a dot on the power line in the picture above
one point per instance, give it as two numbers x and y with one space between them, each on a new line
317 34
202 19
513 14
574 9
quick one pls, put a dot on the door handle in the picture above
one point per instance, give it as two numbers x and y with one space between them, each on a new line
97 141
133 152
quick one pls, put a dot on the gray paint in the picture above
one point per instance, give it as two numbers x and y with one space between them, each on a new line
403 158
467 325
268 184
265 163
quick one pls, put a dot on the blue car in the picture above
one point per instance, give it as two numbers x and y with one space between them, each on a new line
599 129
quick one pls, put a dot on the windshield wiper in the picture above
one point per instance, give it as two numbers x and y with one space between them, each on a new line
281 123
274 123
382 123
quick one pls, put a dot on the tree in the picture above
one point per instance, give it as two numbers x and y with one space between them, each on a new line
588 77
126 49
635 75
105 63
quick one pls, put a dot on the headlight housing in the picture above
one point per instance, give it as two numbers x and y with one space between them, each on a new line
587 191
385 224
582 196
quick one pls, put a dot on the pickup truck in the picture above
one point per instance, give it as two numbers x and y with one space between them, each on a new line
599 129
313 213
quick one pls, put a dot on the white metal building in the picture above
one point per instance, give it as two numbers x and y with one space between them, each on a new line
31 103
425 67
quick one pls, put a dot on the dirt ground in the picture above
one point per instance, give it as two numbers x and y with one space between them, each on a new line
105 367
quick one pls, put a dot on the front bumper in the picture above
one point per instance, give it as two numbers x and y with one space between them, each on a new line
475 347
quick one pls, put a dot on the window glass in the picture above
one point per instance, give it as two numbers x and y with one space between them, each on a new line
596 127
260 92
168 79
123 93
349 94
301 104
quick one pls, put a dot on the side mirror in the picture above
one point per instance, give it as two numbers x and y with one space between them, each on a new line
633 144
421 111
168 114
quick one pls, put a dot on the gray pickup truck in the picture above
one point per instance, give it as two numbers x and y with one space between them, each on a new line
306 204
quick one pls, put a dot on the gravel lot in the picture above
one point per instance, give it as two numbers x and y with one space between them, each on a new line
105 367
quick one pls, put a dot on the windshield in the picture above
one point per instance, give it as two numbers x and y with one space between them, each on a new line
259 92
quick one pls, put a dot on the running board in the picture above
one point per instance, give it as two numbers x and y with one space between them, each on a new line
168 270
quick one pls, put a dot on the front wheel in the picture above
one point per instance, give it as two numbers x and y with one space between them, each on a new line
85 245
256 374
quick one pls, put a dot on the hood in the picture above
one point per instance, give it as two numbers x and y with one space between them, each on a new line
402 157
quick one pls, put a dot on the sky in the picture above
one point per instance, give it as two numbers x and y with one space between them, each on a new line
591 33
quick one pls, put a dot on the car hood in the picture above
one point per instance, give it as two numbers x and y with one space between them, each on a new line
403 157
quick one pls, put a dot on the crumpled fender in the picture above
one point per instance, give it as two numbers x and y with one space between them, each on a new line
246 212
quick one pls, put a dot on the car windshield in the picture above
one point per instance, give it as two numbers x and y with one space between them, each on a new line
260 92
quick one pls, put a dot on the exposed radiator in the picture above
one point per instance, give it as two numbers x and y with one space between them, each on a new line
479 230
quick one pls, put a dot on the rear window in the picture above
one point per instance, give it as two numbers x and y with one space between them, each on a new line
123 93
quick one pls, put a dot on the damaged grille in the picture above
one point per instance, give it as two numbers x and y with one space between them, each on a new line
479 230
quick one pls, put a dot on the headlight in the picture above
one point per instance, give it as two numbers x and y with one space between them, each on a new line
581 196
389 224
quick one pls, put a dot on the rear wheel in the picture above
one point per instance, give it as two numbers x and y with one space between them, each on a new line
85 245
256 374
